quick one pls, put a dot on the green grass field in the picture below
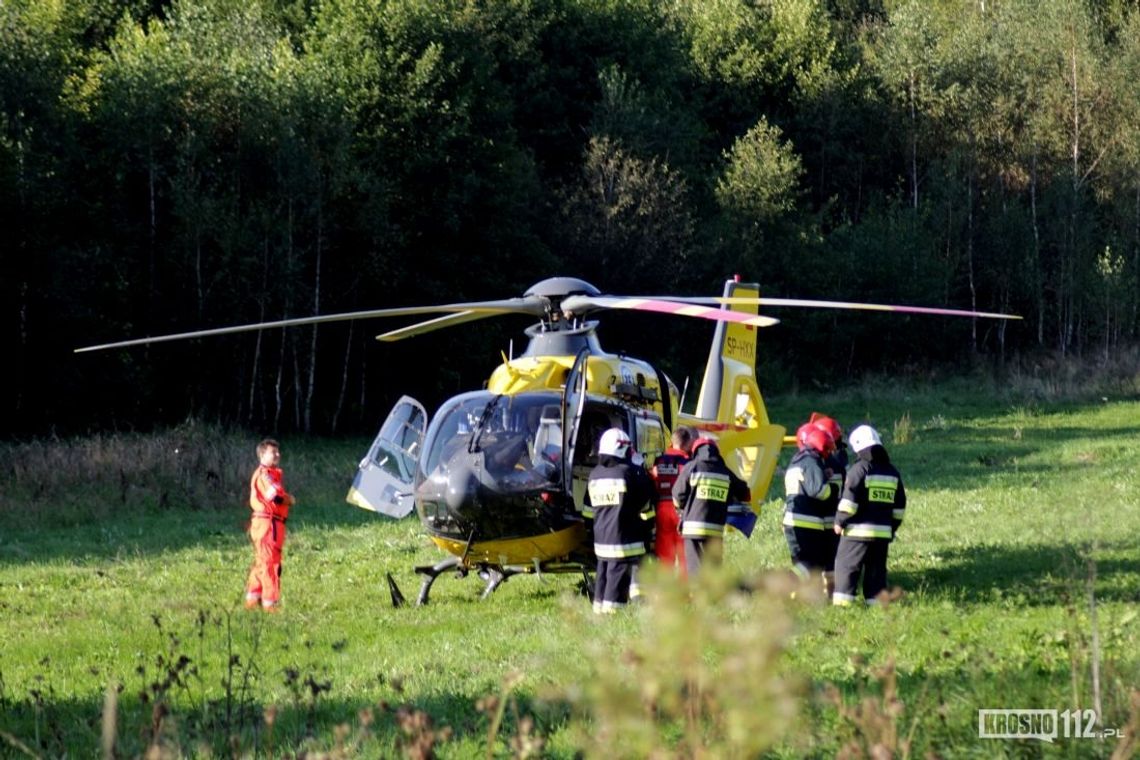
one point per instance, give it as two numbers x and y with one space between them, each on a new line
122 565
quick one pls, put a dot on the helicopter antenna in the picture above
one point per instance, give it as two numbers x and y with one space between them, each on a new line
684 390
511 350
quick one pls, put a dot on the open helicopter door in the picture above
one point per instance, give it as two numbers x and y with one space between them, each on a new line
573 404
386 476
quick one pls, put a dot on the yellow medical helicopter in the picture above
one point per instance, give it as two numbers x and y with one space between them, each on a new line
498 475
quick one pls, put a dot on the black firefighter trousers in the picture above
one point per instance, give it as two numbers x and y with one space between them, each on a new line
860 556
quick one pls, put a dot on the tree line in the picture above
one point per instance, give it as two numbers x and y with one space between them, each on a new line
168 166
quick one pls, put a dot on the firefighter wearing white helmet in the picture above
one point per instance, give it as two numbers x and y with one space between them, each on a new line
619 499
868 518
864 437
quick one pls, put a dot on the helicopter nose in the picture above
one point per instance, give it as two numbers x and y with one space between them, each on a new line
461 482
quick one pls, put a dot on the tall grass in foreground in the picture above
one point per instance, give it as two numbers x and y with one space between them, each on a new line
121 632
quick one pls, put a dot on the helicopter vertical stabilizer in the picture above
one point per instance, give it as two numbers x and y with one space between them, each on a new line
730 404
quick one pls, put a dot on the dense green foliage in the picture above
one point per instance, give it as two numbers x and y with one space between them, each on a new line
166 166
1018 563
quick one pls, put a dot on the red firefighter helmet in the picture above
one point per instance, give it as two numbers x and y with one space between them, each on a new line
810 436
828 424
704 442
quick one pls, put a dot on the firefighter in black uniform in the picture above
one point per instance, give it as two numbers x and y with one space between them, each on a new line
868 518
835 465
619 499
702 493
808 516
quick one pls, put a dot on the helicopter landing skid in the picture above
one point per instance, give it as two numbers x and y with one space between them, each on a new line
431 572
495 575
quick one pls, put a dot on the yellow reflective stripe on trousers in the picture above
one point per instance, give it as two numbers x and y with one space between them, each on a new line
691 529
864 530
619 551
797 520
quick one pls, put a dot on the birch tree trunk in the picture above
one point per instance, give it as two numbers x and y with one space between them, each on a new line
308 413
343 379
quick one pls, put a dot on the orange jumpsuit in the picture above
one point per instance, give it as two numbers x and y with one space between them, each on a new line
270 503
669 547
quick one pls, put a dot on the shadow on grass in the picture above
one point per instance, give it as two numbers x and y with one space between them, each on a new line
390 728
1028 576
140 533
951 461
938 711
963 457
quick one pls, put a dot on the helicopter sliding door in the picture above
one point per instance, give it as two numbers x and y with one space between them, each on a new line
384 481
573 404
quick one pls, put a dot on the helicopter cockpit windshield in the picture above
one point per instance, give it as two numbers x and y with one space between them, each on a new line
516 441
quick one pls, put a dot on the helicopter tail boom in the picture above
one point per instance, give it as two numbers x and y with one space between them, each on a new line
730 404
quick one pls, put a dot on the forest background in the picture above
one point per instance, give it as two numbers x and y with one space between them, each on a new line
167 166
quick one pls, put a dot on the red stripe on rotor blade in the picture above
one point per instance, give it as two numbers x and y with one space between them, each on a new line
684 309
858 306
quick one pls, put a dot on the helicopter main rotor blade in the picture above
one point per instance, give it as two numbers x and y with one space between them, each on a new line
530 305
843 305
431 325
855 306
681 308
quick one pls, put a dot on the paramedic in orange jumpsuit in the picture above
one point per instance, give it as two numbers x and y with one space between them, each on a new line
669 548
269 502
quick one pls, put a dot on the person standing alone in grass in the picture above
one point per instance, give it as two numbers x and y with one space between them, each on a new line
269 502
868 518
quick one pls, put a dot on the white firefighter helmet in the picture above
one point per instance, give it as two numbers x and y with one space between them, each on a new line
864 437
615 443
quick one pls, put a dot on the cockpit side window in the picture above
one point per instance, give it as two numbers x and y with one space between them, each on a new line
650 437
547 444
595 421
